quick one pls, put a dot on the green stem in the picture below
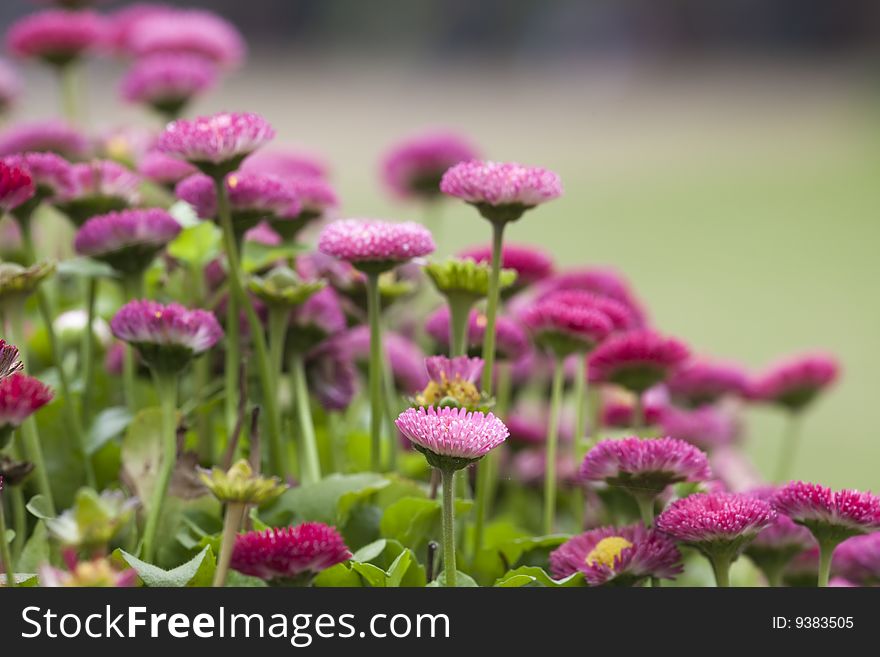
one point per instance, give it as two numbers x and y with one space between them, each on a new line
166 386
201 374
19 520
231 525
232 363
5 554
448 482
29 433
71 416
311 467
336 435
133 288
788 449
88 346
646 508
392 409
580 404
492 306
374 308
69 80
264 371
638 414
721 568
826 552
552 444
459 312
277 336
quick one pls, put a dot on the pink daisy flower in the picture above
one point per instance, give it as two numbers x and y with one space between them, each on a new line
315 320
45 136
618 313
830 515
617 556
405 357
600 281
645 467
168 82
565 329
414 167
123 22
194 32
332 374
51 173
100 187
858 559
637 360
215 144
289 554
703 382
794 383
163 169
451 437
286 164
20 397
263 234
374 245
529 467
618 407
502 192
16 186
128 240
530 264
167 337
56 36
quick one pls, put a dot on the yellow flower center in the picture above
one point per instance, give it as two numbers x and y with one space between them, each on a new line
607 550
464 392
232 182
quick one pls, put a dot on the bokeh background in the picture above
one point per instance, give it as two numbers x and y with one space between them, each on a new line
725 155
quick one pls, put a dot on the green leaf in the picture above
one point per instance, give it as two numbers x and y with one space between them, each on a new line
329 500
534 576
462 581
107 424
25 580
142 453
371 551
398 569
340 575
9 536
185 214
256 256
239 580
36 551
85 268
414 521
196 245
373 575
198 571
39 507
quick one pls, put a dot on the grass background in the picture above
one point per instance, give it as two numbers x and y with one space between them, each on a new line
741 198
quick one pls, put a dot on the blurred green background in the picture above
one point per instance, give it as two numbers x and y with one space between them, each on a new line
737 187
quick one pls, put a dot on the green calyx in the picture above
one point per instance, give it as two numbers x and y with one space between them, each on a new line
463 276
17 282
240 484
93 520
283 287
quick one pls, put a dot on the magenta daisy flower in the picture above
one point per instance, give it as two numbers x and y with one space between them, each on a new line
618 313
51 173
215 144
168 82
372 245
619 408
644 468
858 559
100 187
10 86
528 425
703 382
286 164
289 554
707 427
124 21
16 186
252 198
637 360
10 359
719 525
600 281
511 340
530 264
193 32
20 397
796 382
163 169
44 136
617 556
777 544
564 329
316 319
128 240
167 337
414 167
529 467
332 374
451 437
263 234
502 192
56 36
